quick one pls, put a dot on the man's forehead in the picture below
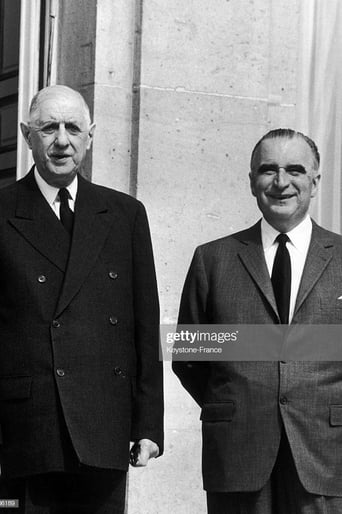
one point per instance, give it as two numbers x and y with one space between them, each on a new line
283 148
59 108
58 116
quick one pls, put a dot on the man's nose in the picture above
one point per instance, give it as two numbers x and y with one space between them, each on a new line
61 136
282 178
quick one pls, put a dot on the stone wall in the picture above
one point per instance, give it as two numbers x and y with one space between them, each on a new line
215 76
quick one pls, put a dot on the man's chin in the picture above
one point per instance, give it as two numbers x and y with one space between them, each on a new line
283 220
60 176
63 171
282 211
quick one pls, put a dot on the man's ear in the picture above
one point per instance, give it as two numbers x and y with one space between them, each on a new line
315 183
91 135
26 132
251 182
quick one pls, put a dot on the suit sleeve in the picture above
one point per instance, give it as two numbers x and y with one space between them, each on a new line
148 403
193 310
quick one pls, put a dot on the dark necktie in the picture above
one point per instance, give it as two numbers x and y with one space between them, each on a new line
65 213
281 278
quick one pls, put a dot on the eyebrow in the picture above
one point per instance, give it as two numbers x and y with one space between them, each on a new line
55 123
52 119
275 166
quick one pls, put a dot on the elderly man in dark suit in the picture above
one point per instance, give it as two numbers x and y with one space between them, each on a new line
79 317
272 431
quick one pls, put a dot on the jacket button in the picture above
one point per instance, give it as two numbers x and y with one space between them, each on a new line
283 400
60 372
118 371
113 275
113 320
56 324
42 279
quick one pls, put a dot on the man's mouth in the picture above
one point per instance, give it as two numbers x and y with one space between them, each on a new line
60 158
280 197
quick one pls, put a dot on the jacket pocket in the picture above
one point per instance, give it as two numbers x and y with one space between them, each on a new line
218 411
15 387
335 417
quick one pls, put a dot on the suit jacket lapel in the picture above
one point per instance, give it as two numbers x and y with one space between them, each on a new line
38 224
91 226
252 256
319 256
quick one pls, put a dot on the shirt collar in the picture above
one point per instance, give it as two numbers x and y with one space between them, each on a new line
299 236
50 192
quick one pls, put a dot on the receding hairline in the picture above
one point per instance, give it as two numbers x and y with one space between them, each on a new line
287 134
63 91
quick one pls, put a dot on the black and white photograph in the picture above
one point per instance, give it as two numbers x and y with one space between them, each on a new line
170 256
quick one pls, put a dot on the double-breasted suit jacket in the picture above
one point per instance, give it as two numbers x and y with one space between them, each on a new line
78 331
245 404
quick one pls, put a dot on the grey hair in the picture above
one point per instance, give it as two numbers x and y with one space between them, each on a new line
287 133
46 91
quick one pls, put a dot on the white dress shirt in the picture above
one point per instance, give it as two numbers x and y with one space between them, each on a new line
298 247
50 193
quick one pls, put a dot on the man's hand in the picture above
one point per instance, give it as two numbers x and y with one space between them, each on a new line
142 451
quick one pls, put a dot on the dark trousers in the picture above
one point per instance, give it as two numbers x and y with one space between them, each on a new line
91 491
282 494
